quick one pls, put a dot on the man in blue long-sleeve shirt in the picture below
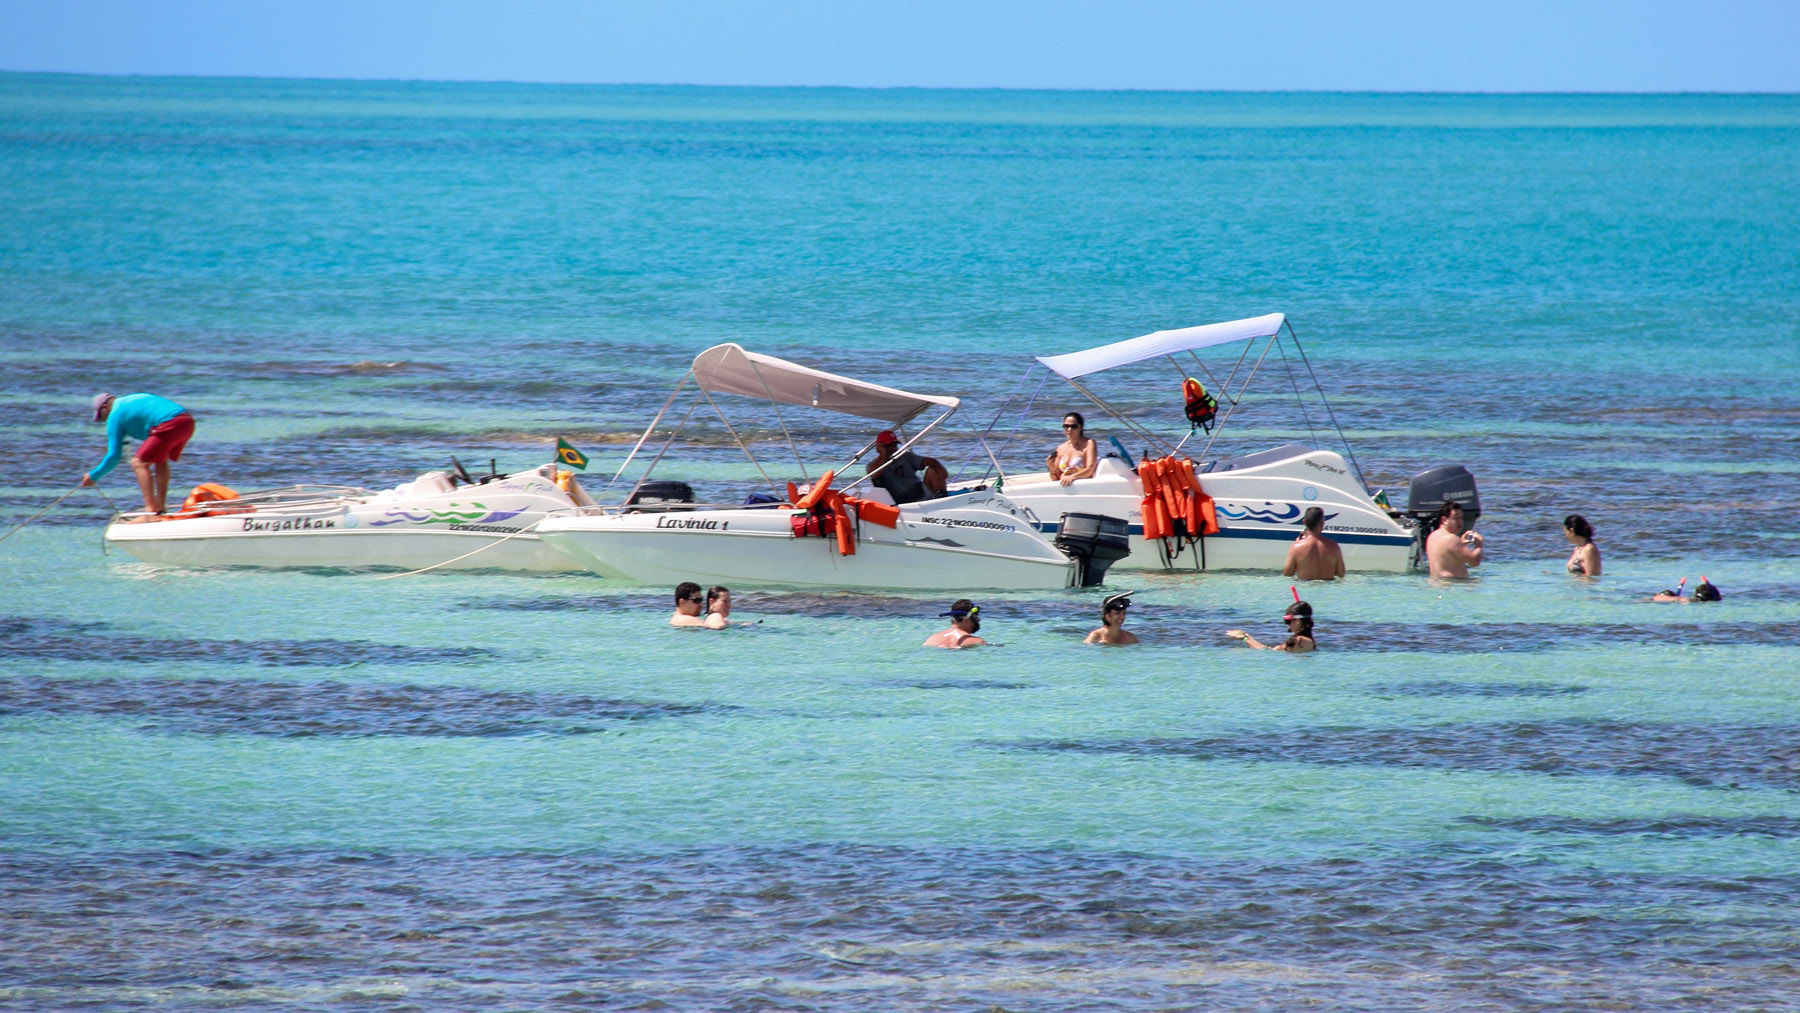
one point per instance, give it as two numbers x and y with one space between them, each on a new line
162 428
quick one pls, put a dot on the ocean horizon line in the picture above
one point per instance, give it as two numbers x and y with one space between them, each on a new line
816 87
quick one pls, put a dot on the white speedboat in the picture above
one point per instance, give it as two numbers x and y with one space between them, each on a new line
447 519
827 534
1256 500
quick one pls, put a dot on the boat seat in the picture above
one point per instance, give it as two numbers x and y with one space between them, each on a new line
875 494
1261 457
432 483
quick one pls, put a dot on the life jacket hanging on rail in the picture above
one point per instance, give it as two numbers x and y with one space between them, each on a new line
1202 408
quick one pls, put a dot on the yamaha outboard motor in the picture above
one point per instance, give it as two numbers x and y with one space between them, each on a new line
1430 490
1095 542
660 497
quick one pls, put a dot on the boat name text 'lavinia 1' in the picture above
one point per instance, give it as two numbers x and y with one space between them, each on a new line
684 522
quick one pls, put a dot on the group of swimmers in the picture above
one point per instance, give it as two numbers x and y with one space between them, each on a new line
1313 557
711 611
965 623
1584 561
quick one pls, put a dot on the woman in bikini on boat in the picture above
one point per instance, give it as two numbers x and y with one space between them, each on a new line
1077 457
1585 560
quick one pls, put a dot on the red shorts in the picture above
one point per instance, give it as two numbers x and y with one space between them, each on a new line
165 441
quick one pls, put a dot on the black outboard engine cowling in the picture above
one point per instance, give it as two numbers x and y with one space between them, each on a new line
660 497
1095 542
1431 488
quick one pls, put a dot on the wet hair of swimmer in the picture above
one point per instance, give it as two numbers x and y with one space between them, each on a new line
1579 526
962 609
1707 592
1302 611
687 590
1313 519
1444 511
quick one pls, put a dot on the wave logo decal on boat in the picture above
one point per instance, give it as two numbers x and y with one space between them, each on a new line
1286 513
479 515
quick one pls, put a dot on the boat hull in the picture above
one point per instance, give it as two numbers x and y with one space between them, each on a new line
429 522
197 546
969 542
1259 500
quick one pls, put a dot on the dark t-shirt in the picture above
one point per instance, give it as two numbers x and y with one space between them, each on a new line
901 478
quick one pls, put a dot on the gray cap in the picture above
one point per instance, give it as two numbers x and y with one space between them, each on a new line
99 403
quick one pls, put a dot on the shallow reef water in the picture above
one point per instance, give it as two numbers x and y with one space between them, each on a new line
328 790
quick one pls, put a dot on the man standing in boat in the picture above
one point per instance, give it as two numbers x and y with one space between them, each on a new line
162 429
1314 556
901 477
1450 550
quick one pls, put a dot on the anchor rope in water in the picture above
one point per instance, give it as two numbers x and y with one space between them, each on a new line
465 555
40 513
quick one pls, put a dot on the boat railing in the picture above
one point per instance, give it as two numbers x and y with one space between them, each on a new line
609 509
286 497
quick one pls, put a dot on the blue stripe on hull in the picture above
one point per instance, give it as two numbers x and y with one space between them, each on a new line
1137 531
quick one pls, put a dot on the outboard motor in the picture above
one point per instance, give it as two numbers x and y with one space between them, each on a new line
1430 490
1095 542
660 497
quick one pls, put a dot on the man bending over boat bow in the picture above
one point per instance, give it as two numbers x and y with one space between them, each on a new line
162 429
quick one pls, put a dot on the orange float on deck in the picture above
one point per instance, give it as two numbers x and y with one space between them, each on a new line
884 514
198 502
816 494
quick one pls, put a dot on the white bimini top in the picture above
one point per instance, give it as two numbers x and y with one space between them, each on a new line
1159 343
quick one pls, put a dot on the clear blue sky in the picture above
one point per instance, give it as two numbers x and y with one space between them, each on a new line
1381 45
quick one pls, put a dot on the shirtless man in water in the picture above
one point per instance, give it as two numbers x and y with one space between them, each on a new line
1313 556
965 622
1450 550
687 605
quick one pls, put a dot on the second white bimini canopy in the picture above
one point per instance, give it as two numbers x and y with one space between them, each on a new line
1150 346
729 369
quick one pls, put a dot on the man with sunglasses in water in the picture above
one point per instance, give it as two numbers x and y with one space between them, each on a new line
965 620
687 605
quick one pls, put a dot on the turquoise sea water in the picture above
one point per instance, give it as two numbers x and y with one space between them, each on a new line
487 791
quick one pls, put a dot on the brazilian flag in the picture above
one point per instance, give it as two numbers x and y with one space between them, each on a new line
567 454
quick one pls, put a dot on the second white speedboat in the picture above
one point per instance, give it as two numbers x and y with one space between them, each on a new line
1252 504
844 536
